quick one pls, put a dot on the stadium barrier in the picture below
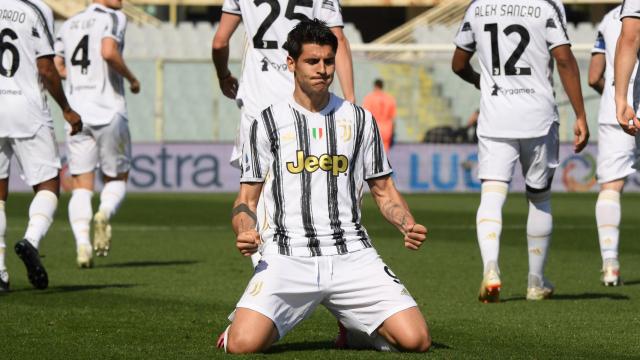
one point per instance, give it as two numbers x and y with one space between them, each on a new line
418 168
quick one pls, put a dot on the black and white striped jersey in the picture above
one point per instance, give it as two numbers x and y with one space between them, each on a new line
26 28
513 40
314 167
94 89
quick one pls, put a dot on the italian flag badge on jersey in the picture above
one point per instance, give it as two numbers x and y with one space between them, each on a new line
316 133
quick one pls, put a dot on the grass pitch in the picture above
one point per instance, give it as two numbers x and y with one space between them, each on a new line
173 275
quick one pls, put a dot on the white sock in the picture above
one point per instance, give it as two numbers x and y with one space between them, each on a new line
41 211
489 220
111 197
608 214
80 213
3 230
539 229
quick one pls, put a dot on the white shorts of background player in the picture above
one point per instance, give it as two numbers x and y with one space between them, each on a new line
538 157
105 146
37 156
617 153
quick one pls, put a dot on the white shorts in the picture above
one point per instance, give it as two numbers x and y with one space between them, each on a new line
358 288
37 156
538 158
617 153
105 146
242 135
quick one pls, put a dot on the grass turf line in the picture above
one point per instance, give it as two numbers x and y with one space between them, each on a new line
173 275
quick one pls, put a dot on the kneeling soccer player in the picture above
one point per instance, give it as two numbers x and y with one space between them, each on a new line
309 156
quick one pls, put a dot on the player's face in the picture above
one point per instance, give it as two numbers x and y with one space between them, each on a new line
113 4
314 69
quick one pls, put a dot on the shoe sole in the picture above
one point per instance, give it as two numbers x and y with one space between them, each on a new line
85 265
540 297
100 237
491 294
35 271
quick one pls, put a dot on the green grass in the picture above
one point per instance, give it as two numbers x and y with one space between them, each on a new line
173 276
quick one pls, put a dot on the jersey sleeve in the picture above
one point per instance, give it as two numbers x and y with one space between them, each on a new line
465 38
556 26
42 34
256 154
330 12
58 46
630 8
375 159
116 26
232 7
599 46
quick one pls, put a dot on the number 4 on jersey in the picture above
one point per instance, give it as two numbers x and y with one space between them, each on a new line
82 51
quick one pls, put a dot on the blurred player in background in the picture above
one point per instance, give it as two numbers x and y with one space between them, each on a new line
316 249
616 150
382 106
26 126
89 54
516 41
265 78
625 61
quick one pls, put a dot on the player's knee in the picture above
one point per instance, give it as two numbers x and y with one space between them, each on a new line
242 344
415 341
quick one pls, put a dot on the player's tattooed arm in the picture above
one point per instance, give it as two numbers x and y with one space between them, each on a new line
242 211
395 209
244 219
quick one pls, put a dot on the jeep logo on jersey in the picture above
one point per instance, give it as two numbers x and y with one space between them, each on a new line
335 164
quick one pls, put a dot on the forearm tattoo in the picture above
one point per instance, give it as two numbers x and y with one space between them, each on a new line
243 208
395 213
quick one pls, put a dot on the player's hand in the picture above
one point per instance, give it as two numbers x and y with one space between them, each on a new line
581 135
73 118
627 118
247 242
229 86
134 86
414 236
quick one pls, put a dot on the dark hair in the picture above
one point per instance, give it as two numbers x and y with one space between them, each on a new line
378 83
309 32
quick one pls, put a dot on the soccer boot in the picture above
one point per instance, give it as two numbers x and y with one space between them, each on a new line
101 234
4 281
85 256
31 259
611 273
491 285
341 341
539 288
220 341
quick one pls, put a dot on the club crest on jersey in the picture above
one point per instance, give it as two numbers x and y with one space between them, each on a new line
345 130
317 133
334 164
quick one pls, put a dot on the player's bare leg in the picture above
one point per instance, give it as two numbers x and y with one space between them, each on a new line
250 332
41 211
608 214
4 274
489 229
111 198
80 213
406 331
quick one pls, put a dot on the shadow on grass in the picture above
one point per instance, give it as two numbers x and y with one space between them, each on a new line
631 283
584 296
135 264
327 345
76 288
